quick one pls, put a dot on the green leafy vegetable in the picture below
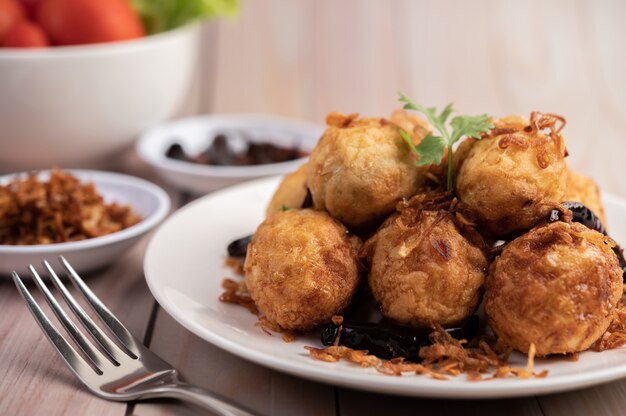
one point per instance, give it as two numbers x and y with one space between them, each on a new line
431 149
161 15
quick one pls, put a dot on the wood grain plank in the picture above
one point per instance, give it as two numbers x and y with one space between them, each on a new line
607 399
33 379
356 403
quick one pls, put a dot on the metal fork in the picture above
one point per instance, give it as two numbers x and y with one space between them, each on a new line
120 371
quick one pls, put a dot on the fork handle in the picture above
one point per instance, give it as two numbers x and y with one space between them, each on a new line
202 398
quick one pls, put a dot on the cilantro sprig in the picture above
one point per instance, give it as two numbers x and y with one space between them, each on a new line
431 149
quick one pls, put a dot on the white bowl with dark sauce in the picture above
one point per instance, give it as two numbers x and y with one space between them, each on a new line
196 135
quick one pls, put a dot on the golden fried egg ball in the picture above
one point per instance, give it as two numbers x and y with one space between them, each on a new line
301 268
360 169
583 189
513 178
423 270
291 192
556 287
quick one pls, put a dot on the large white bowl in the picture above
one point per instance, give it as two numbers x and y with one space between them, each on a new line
146 199
195 134
78 105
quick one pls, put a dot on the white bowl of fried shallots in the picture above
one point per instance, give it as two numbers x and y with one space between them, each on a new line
90 217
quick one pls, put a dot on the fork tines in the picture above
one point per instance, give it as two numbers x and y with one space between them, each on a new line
109 354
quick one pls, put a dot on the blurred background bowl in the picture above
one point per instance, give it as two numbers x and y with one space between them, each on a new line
195 134
79 105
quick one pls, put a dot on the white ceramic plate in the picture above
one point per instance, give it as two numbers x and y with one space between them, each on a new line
147 199
184 266
195 135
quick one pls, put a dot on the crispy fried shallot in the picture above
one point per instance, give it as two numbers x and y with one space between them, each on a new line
447 357
57 210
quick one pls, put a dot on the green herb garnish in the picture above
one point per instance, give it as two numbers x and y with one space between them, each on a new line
284 208
431 149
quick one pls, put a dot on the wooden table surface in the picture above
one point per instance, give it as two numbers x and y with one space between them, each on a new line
323 55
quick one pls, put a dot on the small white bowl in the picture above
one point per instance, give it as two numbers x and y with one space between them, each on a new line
146 199
195 135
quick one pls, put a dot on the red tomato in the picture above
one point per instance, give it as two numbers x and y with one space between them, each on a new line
25 34
10 12
75 22
30 6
